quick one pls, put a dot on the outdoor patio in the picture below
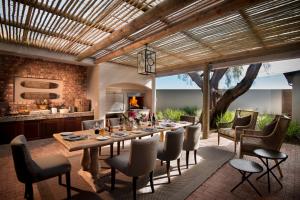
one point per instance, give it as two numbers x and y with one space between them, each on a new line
217 186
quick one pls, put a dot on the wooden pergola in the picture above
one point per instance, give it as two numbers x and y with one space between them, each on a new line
186 35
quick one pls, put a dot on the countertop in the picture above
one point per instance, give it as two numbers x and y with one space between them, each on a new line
44 116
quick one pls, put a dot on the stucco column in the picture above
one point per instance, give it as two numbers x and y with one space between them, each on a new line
296 98
206 98
153 94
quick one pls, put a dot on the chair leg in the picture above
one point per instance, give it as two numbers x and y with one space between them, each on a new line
178 166
235 147
28 191
123 146
218 139
151 181
68 181
134 179
168 171
60 179
279 169
113 178
195 156
187 159
161 163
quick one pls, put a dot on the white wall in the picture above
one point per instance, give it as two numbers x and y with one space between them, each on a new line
264 101
105 75
296 97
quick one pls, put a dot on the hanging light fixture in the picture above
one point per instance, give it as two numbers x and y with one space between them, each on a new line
146 61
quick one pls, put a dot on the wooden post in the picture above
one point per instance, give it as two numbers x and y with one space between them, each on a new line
205 106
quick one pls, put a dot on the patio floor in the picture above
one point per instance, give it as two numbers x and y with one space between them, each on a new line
218 186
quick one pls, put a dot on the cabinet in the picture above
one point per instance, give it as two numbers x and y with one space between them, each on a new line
37 129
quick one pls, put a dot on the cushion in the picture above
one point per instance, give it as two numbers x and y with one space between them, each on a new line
120 163
51 166
227 131
242 121
268 129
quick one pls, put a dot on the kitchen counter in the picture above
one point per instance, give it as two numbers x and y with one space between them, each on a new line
45 116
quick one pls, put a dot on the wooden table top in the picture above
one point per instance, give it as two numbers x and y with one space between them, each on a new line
91 140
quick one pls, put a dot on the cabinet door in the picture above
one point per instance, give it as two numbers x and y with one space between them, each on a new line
31 129
50 126
72 124
9 130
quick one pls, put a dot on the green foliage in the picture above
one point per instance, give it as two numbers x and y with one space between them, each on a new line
226 117
293 130
264 120
192 111
175 113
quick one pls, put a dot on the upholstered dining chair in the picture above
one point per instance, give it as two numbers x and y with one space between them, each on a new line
30 171
114 123
271 137
90 124
243 119
171 149
139 161
191 141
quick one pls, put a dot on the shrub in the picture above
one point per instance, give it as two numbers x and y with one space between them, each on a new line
293 130
192 111
173 114
264 120
226 117
159 115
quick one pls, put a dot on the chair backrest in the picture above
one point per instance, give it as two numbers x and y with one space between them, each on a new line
22 159
89 124
113 122
191 137
173 144
143 155
187 118
245 113
276 138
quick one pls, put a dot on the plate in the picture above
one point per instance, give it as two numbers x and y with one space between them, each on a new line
102 138
119 134
66 133
74 137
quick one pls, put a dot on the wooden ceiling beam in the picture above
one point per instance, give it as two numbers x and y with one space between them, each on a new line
49 9
138 5
42 31
252 28
154 14
221 10
286 51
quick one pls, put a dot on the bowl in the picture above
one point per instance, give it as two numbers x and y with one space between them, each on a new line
63 110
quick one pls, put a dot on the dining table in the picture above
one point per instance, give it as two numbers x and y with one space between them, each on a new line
90 142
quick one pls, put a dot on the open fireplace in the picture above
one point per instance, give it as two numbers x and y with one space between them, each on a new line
135 101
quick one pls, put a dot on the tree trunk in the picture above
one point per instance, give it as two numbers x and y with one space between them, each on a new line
232 94
220 103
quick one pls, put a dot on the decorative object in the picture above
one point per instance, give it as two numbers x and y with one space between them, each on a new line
146 62
35 89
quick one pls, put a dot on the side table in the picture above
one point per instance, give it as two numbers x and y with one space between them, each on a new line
246 168
270 155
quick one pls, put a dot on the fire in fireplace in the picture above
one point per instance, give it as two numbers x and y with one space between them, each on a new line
135 102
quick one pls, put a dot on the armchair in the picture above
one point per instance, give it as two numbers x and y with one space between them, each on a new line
271 137
243 119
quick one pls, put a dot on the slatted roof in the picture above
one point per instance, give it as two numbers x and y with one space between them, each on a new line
74 27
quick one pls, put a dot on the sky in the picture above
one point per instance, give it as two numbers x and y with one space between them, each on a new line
272 78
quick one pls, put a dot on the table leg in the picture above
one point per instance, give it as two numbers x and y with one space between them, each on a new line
85 160
161 136
268 173
118 148
91 176
245 177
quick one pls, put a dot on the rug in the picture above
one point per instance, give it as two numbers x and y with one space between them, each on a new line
210 159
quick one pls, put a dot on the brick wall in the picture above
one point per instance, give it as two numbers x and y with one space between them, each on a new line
74 77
